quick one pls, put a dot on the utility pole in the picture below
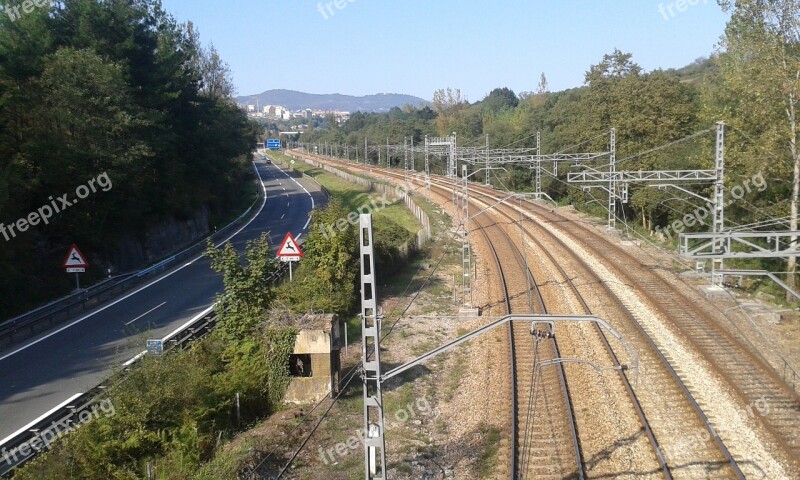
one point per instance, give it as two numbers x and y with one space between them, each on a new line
374 441
488 171
466 252
612 182
413 162
405 154
539 165
427 167
719 201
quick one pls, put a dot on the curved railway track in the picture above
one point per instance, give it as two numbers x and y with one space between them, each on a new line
673 399
543 421
749 374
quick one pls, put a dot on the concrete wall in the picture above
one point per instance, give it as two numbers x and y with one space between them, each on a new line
315 388
323 347
423 236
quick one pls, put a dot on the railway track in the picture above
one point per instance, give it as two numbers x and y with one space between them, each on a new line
672 400
664 396
675 411
545 438
543 422
748 374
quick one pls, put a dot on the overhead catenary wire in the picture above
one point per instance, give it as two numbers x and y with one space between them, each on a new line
419 291
313 430
350 374
530 415
662 147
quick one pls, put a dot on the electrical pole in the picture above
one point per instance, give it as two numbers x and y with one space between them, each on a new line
374 441
427 168
538 165
719 201
488 178
612 182
405 156
466 253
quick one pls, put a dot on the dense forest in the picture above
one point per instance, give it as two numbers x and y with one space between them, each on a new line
664 119
110 94
647 109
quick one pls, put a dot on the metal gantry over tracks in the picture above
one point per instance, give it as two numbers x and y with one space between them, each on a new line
375 465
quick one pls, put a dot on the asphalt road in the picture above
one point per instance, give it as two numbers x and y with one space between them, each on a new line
46 371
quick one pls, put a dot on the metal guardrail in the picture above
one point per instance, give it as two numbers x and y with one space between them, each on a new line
43 318
24 445
34 438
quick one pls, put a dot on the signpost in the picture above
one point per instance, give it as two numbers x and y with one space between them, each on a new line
289 252
274 144
75 263
155 347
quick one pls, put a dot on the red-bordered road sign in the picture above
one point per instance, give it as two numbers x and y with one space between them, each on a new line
290 251
74 259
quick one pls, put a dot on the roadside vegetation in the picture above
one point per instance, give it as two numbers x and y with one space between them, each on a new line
176 414
90 87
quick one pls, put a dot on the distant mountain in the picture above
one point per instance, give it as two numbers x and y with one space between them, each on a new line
293 100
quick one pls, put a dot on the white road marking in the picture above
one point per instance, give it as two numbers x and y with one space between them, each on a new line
145 313
283 216
56 332
42 417
174 332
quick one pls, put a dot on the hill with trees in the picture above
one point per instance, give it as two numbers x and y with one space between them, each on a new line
751 84
294 100
89 87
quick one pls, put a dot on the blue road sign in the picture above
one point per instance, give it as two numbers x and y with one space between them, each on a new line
155 347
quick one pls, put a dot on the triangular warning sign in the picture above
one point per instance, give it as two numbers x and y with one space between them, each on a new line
289 247
75 258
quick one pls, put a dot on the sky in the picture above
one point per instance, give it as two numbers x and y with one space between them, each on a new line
363 47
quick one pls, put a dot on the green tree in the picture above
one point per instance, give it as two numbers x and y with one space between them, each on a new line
248 291
760 72
326 278
500 99
90 87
